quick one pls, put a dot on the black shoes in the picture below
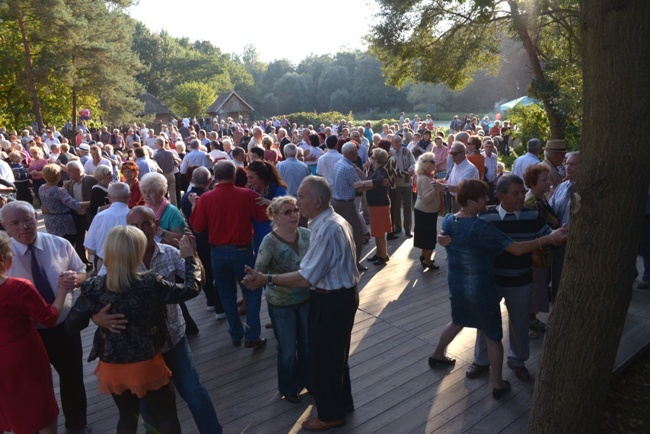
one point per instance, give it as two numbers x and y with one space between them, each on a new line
498 393
392 236
294 399
433 362
425 265
257 343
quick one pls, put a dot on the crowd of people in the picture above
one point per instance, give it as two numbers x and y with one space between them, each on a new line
269 209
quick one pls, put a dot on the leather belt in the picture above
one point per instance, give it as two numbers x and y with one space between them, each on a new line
234 246
332 291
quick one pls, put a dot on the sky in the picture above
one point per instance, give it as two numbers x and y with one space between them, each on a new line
291 29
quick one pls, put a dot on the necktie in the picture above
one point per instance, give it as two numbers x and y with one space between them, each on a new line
40 278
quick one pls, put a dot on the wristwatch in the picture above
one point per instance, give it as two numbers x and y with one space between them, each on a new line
269 280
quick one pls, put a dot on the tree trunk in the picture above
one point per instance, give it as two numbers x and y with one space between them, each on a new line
29 70
74 111
606 215
521 26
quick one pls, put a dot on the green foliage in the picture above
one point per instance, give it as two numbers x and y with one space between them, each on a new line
63 59
192 98
377 124
315 119
531 123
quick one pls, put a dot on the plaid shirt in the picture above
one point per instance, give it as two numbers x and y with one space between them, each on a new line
167 262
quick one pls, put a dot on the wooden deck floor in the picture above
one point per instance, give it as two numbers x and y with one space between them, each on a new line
402 310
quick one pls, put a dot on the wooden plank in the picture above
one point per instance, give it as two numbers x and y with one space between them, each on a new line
401 314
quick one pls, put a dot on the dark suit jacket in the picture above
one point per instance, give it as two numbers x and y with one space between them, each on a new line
87 183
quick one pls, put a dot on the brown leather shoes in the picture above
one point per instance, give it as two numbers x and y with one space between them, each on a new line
318 425
521 372
474 370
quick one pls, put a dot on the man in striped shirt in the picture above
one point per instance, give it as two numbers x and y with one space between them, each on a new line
512 274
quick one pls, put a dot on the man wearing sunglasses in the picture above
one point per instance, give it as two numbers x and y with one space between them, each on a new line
462 169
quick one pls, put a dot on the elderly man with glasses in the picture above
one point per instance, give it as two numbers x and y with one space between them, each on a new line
462 169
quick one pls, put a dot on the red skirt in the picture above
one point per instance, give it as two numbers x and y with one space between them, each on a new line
27 402
380 223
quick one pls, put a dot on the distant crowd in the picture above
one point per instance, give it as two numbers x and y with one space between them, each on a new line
267 208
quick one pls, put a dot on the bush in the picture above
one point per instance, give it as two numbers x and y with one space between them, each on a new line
377 125
315 119
531 123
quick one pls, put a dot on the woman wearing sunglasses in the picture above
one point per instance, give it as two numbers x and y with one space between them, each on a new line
281 252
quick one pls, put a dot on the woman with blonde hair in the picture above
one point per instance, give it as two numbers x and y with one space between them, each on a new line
426 210
27 402
57 205
281 252
131 367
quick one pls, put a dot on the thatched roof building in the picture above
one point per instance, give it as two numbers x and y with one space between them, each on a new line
230 105
154 106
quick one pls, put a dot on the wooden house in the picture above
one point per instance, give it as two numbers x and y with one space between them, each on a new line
230 105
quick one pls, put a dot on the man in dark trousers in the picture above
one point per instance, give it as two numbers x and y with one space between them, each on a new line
41 258
512 274
330 269
201 179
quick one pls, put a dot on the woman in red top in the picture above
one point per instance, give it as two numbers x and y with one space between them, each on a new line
474 155
130 173
27 402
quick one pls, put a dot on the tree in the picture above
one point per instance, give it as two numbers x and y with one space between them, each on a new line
293 93
269 105
193 98
607 208
334 78
448 41
64 59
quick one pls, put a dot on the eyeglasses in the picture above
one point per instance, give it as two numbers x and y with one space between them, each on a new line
456 153
288 212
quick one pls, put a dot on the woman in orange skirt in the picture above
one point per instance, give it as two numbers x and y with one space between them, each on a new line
379 206
131 367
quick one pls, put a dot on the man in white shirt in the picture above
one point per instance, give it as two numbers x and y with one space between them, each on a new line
462 169
215 153
115 215
491 161
150 140
256 141
52 255
96 159
326 162
334 302
528 159
50 139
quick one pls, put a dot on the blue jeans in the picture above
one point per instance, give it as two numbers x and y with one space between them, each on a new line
290 330
228 269
186 380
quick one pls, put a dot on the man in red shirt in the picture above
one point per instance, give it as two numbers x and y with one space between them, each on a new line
226 212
